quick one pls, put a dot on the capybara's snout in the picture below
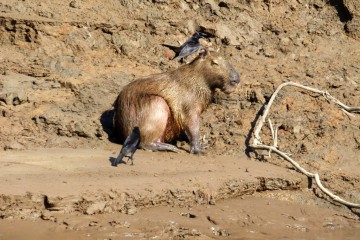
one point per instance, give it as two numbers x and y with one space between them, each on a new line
233 80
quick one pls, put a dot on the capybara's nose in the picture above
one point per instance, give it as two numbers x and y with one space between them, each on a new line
235 79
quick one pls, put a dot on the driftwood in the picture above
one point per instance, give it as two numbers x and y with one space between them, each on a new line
257 143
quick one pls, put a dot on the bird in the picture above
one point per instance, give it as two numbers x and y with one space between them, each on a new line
189 47
129 147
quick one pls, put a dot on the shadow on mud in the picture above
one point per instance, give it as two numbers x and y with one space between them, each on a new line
106 121
356 212
112 160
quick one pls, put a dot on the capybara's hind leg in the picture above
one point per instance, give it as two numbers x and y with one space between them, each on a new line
153 125
160 146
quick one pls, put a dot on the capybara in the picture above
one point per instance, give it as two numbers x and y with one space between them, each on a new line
166 105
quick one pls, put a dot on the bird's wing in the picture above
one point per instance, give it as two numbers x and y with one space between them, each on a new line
192 40
188 50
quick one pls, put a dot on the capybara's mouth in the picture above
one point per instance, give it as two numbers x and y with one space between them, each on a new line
229 89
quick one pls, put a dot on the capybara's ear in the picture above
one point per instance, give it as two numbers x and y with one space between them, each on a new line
214 61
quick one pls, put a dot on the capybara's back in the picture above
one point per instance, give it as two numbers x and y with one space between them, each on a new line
165 105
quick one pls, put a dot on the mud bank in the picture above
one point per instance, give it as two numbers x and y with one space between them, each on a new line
63 64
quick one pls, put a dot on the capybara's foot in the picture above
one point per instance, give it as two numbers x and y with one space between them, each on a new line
197 150
159 146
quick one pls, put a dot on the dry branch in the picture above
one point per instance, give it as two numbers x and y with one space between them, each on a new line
333 196
257 144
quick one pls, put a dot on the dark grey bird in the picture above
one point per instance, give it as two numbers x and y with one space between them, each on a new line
189 47
129 147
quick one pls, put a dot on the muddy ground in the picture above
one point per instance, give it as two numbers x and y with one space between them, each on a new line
63 64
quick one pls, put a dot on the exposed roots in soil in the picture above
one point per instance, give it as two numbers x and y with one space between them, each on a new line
257 143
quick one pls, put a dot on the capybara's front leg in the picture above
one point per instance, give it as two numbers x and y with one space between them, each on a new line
192 130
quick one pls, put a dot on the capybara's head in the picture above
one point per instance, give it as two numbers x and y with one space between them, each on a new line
218 72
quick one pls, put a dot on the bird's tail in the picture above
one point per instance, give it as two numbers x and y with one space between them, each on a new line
118 160
173 48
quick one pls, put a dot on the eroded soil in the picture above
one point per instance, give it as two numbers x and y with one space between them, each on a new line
250 217
63 64
75 194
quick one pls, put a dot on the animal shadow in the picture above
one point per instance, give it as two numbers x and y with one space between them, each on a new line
106 121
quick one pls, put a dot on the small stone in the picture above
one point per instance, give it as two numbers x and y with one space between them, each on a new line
95 208
131 210
75 4
118 224
93 224
217 231
48 217
297 129
14 146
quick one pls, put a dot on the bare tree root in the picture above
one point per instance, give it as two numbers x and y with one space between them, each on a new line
257 143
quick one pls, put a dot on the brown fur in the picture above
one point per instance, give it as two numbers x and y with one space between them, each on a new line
165 105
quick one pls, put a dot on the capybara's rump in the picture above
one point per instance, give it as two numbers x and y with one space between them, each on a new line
150 113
